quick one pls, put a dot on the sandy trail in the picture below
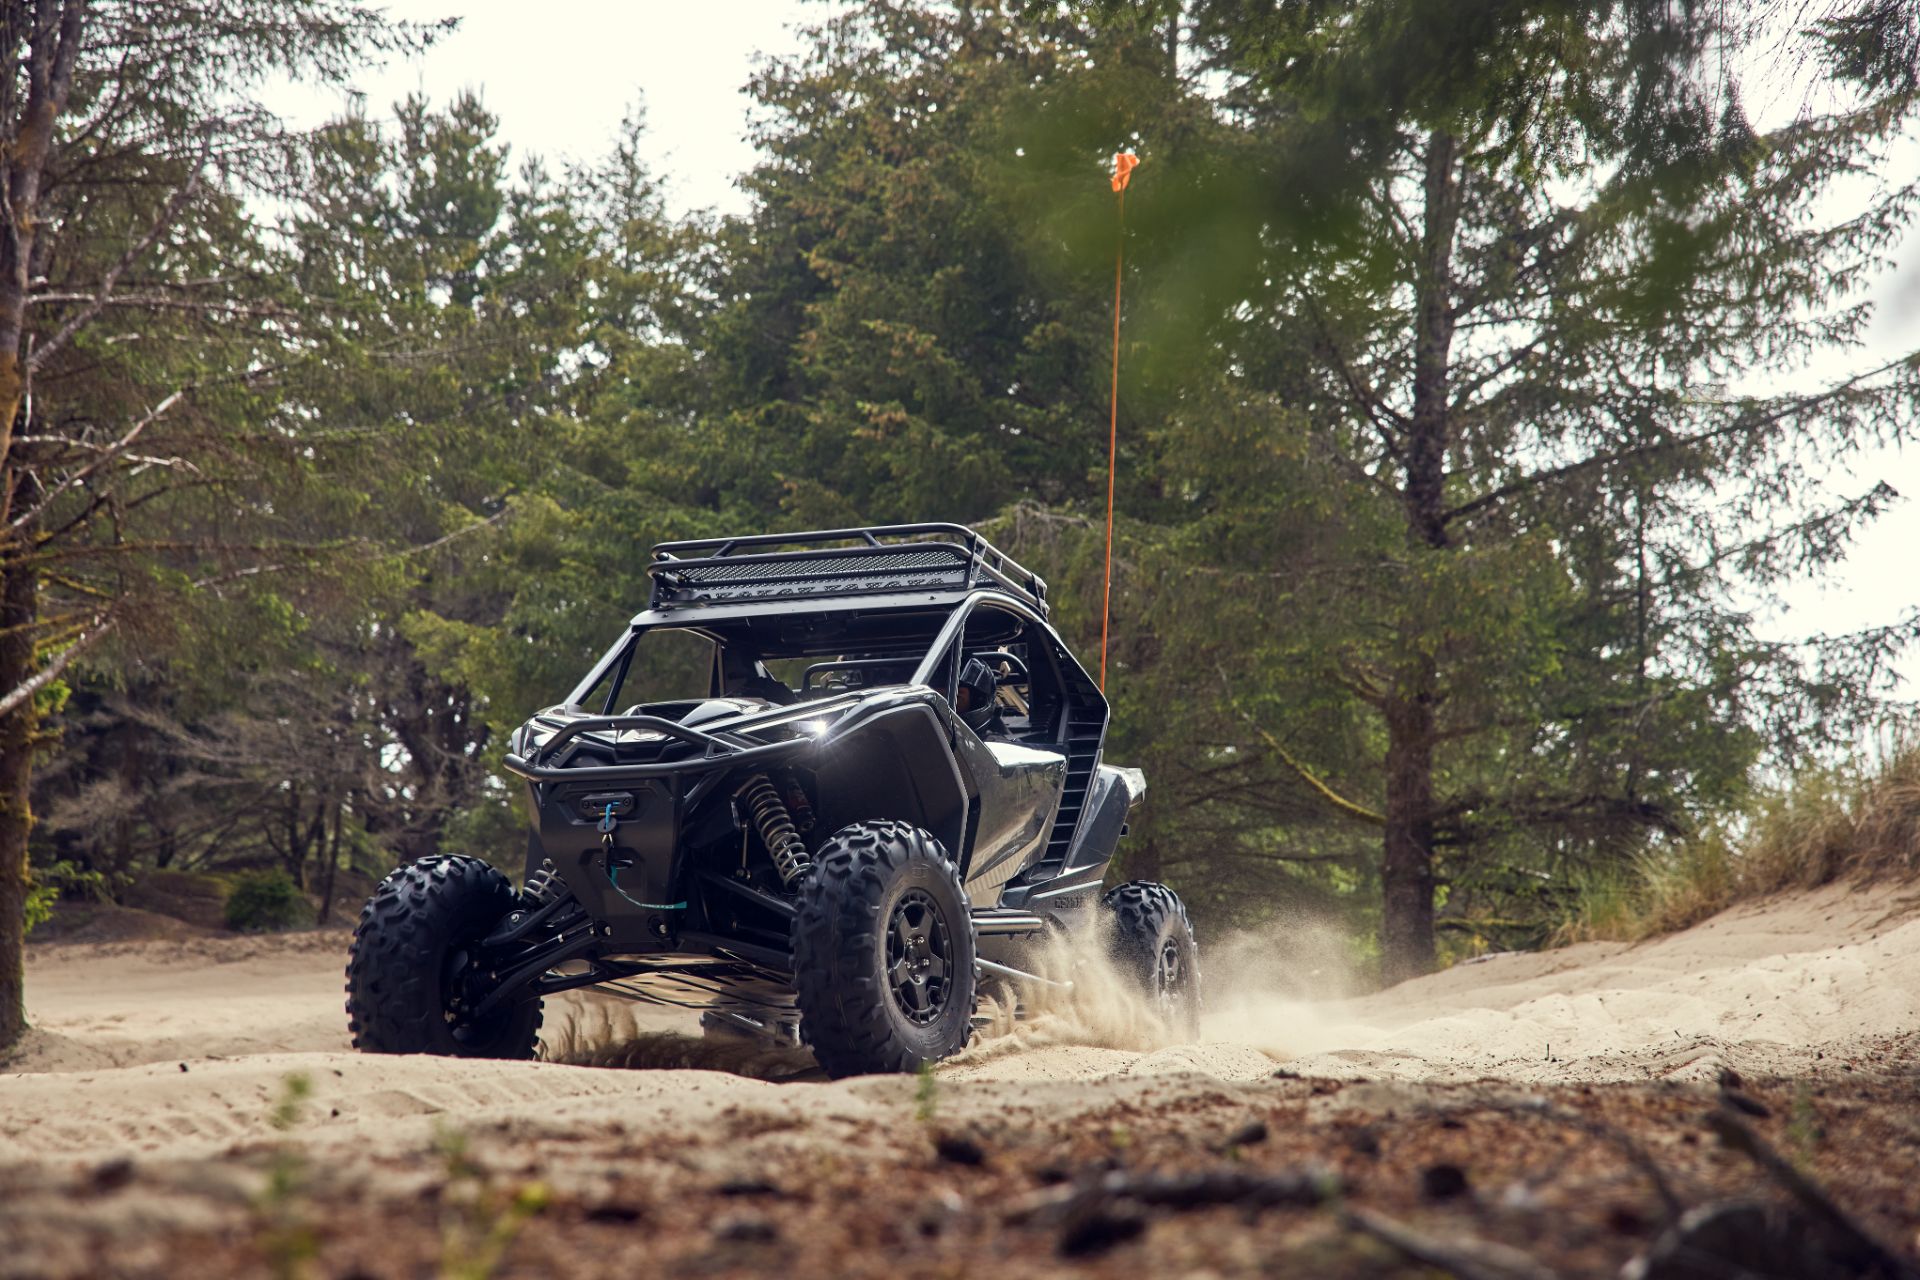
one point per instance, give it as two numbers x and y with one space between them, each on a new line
136 1133
183 1047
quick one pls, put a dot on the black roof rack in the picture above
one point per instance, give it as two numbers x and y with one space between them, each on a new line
888 559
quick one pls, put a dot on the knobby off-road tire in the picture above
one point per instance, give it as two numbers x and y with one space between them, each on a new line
415 945
883 952
1153 945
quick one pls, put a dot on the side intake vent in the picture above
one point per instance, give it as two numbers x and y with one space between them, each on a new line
1086 725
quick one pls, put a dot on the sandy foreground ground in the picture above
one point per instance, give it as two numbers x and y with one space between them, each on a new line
1548 1105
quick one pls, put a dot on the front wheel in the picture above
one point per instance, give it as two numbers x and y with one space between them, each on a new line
1153 945
883 952
417 969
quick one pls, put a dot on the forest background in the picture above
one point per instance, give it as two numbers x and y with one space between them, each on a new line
1474 388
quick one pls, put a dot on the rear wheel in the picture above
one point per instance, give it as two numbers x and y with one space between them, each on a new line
883 952
1153 945
417 970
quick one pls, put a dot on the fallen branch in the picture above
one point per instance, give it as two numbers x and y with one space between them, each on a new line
1467 1258
1868 1250
1636 1155
1095 1215
1299 1189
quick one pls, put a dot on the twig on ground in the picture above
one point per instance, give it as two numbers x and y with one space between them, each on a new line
1670 1202
1868 1250
1303 1189
1095 1214
1469 1259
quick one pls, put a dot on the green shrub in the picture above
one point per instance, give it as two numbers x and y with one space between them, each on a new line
1820 826
40 900
47 885
265 901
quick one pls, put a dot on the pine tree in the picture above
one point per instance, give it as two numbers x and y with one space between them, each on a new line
131 143
1557 268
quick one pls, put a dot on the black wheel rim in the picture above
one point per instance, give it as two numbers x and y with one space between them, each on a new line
466 982
919 957
1170 976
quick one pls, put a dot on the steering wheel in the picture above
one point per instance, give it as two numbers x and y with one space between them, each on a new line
1019 676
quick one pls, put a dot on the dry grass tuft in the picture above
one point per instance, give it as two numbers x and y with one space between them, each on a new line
606 1035
1824 826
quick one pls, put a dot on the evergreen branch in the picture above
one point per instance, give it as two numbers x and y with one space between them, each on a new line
164 219
111 498
202 546
161 302
1369 400
461 532
1741 425
1319 787
103 624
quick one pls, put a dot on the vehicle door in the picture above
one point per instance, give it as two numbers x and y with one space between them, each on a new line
1018 774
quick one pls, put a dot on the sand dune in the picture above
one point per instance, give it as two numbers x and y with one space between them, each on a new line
1779 987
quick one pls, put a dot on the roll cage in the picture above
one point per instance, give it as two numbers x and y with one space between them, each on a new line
849 614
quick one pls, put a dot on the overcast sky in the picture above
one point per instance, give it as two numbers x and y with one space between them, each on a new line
561 85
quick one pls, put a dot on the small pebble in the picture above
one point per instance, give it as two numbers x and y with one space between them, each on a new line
1252 1133
957 1148
1443 1182
741 1229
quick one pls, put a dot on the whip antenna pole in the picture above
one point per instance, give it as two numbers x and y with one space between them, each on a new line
1123 165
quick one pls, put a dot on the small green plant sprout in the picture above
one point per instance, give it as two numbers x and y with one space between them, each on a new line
295 1089
286 1237
926 1094
479 1222
1804 1130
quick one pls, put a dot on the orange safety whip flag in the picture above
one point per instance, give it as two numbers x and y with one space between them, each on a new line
1124 163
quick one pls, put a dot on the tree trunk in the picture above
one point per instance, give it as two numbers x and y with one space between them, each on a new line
1141 859
1406 866
18 601
1406 861
331 865
131 773
293 857
45 40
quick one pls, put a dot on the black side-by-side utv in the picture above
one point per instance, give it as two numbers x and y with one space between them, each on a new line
888 794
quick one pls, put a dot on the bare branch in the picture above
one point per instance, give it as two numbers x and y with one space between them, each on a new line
461 532
51 672
106 455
